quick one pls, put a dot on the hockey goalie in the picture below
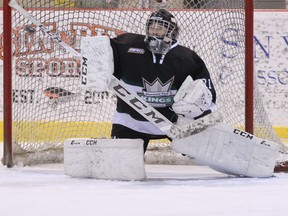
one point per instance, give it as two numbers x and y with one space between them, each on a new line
174 81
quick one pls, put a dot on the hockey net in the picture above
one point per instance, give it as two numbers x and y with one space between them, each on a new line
48 105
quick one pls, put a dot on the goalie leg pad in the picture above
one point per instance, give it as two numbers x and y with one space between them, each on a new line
231 151
110 159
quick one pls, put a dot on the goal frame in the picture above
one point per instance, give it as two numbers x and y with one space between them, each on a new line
7 77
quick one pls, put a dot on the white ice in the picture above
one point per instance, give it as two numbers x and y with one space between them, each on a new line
168 191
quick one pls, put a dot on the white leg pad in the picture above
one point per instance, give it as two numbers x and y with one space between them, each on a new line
111 159
230 151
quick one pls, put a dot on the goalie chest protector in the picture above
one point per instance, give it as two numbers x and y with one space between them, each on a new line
156 83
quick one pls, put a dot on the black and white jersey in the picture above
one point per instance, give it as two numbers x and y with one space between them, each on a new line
156 78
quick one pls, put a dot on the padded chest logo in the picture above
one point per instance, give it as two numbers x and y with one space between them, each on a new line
158 94
157 85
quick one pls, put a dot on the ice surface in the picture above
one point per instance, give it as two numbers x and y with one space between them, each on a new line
168 191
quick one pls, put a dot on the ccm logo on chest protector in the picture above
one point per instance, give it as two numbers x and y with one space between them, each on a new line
136 50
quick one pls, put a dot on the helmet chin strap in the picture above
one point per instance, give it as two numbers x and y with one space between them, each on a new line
159 46
156 43
174 44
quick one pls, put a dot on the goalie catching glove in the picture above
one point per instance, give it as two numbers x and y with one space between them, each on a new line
192 99
97 65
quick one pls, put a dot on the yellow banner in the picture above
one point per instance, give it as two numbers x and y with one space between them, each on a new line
67 3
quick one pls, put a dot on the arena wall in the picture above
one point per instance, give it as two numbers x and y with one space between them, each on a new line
271 68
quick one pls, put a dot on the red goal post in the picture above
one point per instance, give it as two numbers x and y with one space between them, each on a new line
43 104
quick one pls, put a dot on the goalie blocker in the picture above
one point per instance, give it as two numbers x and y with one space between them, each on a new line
110 159
231 151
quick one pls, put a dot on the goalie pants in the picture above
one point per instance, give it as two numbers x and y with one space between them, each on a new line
120 131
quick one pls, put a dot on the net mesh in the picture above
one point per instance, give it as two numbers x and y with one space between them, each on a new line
49 106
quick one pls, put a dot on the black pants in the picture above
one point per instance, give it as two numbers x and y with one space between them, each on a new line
120 131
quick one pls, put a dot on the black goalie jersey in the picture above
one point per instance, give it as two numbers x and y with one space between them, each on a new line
154 77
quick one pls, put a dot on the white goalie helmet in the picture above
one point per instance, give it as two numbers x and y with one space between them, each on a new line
161 32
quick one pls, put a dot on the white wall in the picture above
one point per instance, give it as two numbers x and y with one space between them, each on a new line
270 56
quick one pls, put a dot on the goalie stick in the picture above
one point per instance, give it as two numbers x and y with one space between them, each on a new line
131 98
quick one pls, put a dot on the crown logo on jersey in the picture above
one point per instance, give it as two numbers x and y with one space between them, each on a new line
157 85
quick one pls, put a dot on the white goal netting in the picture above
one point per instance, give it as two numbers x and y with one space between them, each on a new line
49 106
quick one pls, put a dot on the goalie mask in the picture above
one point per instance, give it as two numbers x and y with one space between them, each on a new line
161 32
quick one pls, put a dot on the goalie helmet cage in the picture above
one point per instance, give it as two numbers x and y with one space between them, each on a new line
43 104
